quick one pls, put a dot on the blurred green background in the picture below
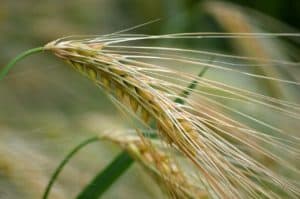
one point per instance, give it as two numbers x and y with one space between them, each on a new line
46 108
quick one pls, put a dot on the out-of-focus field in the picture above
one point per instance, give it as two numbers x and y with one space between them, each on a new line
46 108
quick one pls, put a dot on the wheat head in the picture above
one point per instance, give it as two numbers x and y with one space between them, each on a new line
224 151
161 165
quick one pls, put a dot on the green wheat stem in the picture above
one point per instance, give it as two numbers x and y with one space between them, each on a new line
21 56
64 162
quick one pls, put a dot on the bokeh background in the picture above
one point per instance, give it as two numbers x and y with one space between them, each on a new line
46 108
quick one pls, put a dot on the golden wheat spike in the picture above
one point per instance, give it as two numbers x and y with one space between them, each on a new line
227 170
160 165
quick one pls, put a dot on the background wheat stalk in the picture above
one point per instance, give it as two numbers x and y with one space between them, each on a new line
155 158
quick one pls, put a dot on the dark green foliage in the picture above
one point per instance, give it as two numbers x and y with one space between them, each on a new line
107 177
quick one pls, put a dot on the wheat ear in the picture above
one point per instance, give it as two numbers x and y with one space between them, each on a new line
225 170
166 171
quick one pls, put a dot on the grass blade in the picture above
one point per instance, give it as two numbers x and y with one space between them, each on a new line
193 84
107 177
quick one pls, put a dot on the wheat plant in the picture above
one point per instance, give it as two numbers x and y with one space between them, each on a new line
208 146
227 154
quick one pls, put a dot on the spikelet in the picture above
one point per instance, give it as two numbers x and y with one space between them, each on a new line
227 163
175 182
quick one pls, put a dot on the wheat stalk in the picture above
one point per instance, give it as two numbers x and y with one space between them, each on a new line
226 170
